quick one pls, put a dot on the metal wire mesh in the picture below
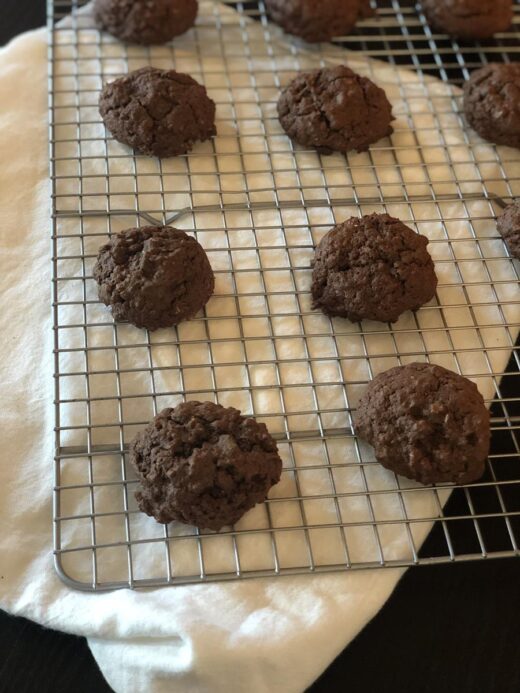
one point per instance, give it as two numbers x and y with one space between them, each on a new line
258 205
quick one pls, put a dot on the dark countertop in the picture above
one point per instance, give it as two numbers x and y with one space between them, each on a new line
446 628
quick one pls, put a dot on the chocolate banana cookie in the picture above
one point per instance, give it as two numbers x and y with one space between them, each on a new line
145 21
426 423
158 112
153 276
508 225
492 103
204 465
469 19
372 268
334 109
317 20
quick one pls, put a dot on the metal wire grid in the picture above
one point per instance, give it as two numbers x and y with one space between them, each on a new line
258 205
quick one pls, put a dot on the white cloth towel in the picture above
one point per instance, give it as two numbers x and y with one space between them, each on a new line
272 635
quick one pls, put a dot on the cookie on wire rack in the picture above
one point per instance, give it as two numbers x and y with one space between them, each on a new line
153 277
146 22
158 112
508 224
317 20
469 19
426 423
204 465
334 109
372 268
492 103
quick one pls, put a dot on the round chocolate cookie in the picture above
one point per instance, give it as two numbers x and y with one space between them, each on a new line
153 276
469 19
334 109
426 423
492 103
145 21
508 224
373 268
204 465
317 20
158 112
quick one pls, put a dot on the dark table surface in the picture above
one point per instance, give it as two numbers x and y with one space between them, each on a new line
446 628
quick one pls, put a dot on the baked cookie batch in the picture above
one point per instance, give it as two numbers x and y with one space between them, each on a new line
206 465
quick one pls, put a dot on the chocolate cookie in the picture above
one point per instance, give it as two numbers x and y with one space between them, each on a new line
469 19
153 276
334 109
145 21
204 465
492 103
317 20
158 112
426 423
373 268
508 224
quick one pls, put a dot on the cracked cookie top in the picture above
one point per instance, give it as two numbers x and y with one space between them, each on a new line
334 109
492 103
153 276
204 465
145 21
426 423
469 19
317 20
158 112
373 268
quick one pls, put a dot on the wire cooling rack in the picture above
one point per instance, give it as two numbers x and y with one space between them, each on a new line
258 205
